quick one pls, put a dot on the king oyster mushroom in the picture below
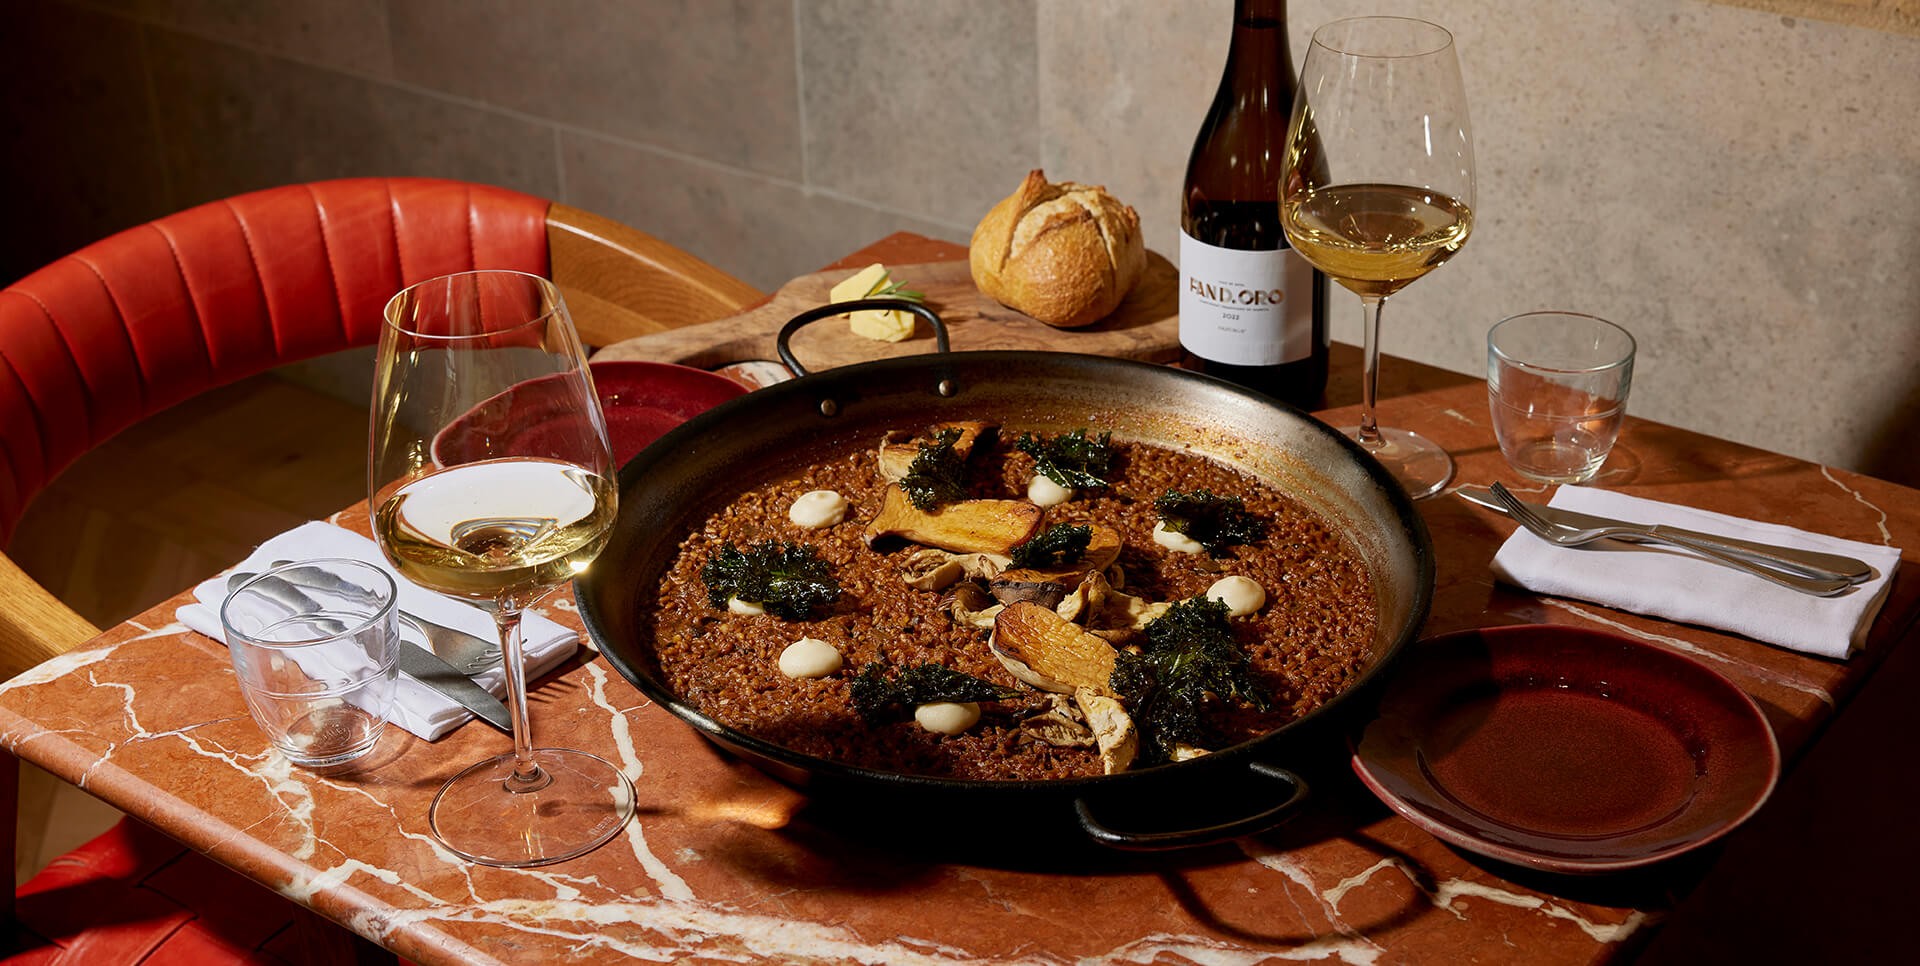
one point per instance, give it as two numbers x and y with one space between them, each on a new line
969 526
1102 609
930 568
1113 730
898 450
1051 653
1049 586
970 605
1060 725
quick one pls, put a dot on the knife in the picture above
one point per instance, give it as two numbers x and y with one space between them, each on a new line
1813 563
427 668
423 665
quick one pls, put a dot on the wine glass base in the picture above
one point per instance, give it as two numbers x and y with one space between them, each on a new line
585 802
1419 463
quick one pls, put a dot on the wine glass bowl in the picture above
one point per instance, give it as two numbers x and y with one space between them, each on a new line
491 480
1377 187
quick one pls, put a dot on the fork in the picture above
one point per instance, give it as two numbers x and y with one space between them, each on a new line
470 653
1571 537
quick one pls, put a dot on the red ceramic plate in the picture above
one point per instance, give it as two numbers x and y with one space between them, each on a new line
643 400
1566 749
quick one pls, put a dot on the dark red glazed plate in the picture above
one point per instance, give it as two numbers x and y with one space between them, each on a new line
643 400
1566 749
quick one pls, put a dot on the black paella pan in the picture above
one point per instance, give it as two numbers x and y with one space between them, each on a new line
777 431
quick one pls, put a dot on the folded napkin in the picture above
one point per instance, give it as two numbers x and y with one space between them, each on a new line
416 707
1670 584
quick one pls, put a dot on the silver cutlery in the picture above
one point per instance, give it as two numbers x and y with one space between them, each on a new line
1795 579
470 653
1812 563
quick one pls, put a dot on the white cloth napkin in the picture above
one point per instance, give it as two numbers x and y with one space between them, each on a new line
1671 585
416 707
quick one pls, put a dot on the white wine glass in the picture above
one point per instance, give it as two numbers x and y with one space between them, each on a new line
492 482
1377 188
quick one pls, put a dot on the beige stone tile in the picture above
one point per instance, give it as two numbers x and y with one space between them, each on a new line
350 35
1124 86
237 120
763 230
714 80
68 183
928 107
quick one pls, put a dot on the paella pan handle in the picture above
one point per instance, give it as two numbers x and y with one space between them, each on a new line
810 316
1296 795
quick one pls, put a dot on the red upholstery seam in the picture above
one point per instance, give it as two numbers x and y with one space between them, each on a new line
193 304
473 233
393 221
46 462
73 356
259 279
339 298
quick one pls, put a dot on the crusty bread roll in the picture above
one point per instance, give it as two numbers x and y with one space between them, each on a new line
1063 253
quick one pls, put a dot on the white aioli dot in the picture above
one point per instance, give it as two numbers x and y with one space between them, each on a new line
1242 595
1176 542
809 657
1045 492
818 508
947 717
744 607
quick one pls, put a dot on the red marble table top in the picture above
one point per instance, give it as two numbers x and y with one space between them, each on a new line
720 867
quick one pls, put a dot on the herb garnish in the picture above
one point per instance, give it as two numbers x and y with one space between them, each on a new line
1190 657
879 694
938 474
1215 522
787 579
1073 460
893 290
1060 545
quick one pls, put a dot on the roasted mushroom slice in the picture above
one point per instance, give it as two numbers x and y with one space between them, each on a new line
1060 725
1050 585
1113 729
1043 649
1098 606
969 526
930 568
972 606
898 450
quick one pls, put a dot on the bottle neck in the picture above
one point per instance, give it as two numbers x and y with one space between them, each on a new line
1260 59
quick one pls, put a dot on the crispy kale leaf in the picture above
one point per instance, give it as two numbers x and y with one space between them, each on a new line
1215 522
1073 460
879 694
938 475
1190 659
788 579
1060 545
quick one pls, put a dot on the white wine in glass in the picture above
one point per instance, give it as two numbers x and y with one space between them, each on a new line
491 481
1377 189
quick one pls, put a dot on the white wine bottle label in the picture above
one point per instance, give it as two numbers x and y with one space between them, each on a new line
1245 308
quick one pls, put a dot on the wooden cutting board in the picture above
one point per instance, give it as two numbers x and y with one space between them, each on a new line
1145 326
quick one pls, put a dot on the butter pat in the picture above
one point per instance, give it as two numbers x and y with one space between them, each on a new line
880 325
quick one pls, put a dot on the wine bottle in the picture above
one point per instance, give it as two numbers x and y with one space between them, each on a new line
1251 309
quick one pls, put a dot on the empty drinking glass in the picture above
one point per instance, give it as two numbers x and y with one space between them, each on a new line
314 643
1557 384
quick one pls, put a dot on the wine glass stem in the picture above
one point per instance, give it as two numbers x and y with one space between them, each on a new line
1370 371
527 776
